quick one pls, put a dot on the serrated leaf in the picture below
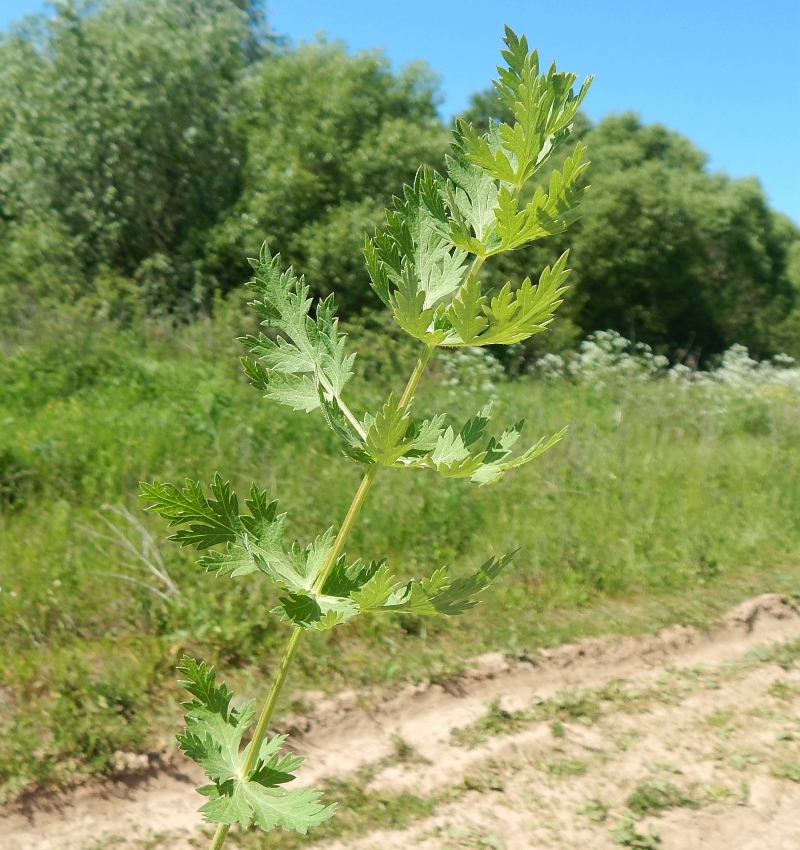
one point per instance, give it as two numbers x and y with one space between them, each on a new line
306 361
386 437
376 591
213 739
211 521
242 801
465 312
253 542
441 595
315 611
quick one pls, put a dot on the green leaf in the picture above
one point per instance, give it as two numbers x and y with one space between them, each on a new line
386 436
253 543
213 738
211 521
376 591
306 361
465 312
472 197
241 801
415 265
441 595
315 611
452 457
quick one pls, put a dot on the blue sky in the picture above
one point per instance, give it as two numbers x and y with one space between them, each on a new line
726 74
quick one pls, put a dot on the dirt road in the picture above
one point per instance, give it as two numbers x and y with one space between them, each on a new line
682 740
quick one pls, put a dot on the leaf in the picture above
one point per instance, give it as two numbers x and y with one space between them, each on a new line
376 591
242 801
415 265
211 521
344 580
213 739
438 594
253 543
472 197
466 312
386 437
306 361
452 456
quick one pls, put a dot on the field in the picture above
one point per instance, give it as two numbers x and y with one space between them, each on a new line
665 503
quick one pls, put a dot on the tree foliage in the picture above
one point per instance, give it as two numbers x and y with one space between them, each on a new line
666 252
147 146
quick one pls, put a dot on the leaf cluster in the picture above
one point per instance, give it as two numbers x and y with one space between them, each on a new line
315 598
213 739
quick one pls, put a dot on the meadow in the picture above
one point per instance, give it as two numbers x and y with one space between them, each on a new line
666 502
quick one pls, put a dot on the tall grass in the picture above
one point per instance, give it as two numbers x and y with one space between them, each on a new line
665 502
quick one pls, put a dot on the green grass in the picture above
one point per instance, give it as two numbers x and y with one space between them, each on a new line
659 506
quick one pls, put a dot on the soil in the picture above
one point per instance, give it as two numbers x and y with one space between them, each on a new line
681 740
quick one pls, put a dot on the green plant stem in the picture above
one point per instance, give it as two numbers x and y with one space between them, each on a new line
297 633
219 836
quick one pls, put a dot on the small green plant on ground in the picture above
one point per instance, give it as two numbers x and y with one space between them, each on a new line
425 268
654 796
627 835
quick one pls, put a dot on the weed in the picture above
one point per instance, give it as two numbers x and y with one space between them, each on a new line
496 721
626 835
654 796
563 767
425 269
783 691
594 809
787 770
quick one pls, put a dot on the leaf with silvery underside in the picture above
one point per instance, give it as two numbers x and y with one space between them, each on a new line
315 611
408 306
335 604
471 197
438 594
414 266
344 429
213 739
452 456
309 354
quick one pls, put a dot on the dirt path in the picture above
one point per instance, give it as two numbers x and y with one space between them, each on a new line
686 736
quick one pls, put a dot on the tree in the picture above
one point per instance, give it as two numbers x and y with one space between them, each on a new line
118 146
330 137
665 252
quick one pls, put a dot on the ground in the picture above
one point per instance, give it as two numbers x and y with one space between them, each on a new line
681 740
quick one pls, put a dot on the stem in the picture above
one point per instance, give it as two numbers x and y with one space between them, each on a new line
219 836
297 633
408 392
272 698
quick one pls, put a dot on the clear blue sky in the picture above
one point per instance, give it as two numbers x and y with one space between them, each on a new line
726 73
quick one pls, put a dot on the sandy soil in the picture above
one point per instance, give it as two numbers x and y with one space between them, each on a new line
708 723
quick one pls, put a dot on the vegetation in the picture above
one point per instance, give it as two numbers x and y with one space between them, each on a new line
148 147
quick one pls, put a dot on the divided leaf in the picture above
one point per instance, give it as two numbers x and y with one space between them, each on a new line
305 365
254 542
213 738
438 594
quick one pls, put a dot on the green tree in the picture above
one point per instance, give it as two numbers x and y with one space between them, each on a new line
330 138
118 147
665 253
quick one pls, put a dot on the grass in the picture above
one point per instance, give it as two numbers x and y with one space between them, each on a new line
660 506
653 796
